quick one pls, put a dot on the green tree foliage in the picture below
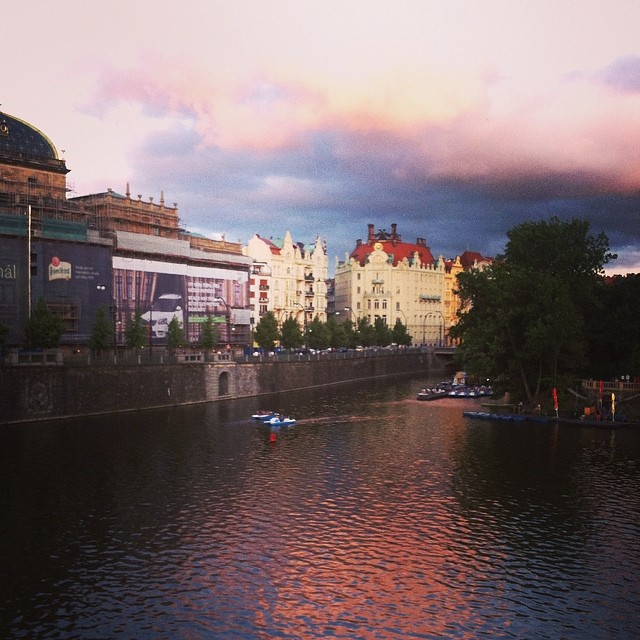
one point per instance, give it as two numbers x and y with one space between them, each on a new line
524 316
366 333
351 334
102 330
399 334
337 333
318 335
209 334
266 332
383 336
291 337
175 335
614 346
44 328
137 334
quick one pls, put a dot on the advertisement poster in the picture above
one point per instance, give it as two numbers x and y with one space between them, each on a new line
163 291
74 279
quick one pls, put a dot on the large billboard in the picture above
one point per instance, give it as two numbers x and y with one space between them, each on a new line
162 291
72 278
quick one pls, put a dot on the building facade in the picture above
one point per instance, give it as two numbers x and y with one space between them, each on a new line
388 278
289 279
106 249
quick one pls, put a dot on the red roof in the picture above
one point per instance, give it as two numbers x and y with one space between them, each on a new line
469 258
398 249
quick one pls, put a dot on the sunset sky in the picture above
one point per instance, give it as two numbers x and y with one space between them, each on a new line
455 119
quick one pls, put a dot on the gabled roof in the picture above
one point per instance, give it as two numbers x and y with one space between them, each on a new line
398 251
393 246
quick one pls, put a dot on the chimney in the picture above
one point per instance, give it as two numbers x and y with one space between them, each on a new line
394 233
371 237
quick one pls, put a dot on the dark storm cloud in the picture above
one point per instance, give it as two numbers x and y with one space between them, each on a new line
335 182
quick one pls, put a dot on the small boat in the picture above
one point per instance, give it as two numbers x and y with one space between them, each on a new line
432 394
281 421
264 416
506 417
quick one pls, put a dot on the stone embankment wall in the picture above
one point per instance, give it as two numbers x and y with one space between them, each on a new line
45 392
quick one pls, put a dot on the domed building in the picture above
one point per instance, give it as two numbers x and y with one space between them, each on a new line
105 250
29 163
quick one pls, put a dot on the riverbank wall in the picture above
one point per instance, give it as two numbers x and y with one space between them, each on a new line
45 392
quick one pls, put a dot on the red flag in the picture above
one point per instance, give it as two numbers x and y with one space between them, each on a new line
555 399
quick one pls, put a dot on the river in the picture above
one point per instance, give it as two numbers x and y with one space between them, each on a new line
375 517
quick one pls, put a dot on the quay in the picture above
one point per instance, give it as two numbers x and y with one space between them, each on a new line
46 386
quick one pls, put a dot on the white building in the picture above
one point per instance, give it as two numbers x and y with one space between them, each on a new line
288 278
390 279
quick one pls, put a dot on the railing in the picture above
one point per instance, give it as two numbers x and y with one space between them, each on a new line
611 385
128 357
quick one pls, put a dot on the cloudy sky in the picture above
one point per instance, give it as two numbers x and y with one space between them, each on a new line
455 119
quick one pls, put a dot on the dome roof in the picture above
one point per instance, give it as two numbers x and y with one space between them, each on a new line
22 139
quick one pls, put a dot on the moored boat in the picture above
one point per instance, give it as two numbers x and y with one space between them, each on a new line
432 394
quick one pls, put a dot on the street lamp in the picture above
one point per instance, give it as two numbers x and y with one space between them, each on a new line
440 326
352 312
304 320
228 315
113 310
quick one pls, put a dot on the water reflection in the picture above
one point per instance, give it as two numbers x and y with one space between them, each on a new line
376 516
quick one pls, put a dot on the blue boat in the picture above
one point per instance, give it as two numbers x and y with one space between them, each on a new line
506 417
264 416
281 421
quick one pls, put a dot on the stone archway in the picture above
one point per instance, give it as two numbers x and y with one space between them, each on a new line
223 384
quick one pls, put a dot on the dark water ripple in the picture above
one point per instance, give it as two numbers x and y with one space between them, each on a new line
376 517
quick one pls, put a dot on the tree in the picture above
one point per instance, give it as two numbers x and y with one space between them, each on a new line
399 334
337 333
266 333
351 334
175 335
291 336
137 331
318 335
366 333
614 330
101 331
44 328
523 318
209 334
382 333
